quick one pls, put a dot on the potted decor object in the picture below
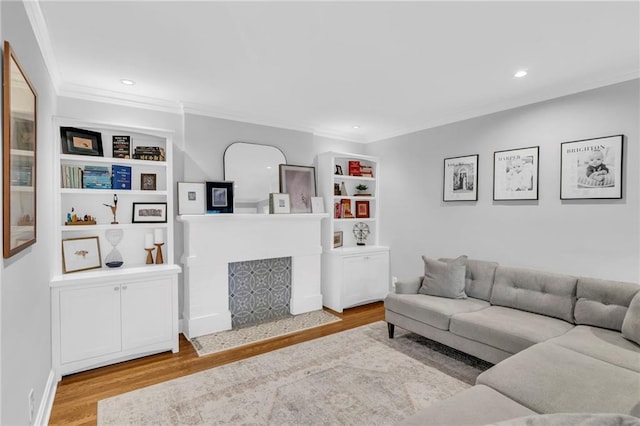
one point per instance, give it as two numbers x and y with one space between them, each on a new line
362 190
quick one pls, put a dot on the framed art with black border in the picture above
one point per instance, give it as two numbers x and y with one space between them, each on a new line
591 168
19 100
81 142
81 254
220 197
515 174
460 178
300 183
149 212
362 209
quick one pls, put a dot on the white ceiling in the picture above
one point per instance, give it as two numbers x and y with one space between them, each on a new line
388 67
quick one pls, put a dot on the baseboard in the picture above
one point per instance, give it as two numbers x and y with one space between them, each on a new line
46 403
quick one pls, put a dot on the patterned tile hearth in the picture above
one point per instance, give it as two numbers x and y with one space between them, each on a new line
217 342
259 290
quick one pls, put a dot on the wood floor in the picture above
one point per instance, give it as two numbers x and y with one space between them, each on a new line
77 397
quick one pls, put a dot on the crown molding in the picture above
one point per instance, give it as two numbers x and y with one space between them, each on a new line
41 33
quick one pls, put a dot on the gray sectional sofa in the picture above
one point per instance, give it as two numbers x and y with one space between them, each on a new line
560 344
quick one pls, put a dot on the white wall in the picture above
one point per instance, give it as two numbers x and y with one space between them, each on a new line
25 313
598 238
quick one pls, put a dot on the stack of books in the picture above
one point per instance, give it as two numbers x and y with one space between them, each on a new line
121 177
153 153
366 171
96 177
71 177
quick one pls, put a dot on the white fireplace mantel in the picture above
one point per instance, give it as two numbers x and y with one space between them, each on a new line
211 242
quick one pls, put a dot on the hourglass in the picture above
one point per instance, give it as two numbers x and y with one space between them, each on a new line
114 258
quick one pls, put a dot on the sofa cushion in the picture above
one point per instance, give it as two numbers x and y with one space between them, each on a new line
631 323
548 378
469 407
508 329
444 279
603 303
431 310
544 293
605 345
479 278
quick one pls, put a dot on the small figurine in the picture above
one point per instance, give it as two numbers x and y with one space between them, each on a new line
114 207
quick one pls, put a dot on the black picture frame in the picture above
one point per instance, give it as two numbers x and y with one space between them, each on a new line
149 212
577 168
81 142
460 181
516 174
219 197
300 183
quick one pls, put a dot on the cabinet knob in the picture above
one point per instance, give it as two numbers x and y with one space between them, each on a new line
116 288
124 287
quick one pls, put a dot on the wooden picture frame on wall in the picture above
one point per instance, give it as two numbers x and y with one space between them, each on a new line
19 102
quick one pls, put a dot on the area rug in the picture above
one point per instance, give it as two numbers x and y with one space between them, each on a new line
217 342
356 377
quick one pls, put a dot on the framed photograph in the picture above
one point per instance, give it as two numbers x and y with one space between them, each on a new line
515 174
149 213
81 142
220 197
591 168
81 254
191 198
339 169
19 100
279 203
460 178
337 239
300 183
362 209
148 181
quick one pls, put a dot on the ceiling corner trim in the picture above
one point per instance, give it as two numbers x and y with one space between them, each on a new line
41 33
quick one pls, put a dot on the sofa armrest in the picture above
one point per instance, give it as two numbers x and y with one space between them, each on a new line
408 285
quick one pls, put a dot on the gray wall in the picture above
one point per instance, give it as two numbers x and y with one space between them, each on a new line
25 308
598 238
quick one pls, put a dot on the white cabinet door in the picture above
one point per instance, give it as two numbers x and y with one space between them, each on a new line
89 322
365 278
146 313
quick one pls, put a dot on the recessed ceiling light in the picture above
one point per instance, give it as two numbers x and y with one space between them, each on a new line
520 74
356 127
127 82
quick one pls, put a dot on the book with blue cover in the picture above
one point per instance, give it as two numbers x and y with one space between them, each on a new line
121 177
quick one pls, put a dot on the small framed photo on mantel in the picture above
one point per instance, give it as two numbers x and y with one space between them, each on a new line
591 168
191 199
461 178
220 197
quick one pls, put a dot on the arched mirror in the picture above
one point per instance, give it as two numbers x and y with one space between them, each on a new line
254 170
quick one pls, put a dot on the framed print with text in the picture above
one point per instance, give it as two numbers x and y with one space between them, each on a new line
591 168
515 174
461 178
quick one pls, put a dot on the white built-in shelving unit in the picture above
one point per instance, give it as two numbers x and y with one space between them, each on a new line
351 274
106 315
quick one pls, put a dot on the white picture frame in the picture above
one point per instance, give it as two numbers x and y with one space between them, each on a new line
279 203
191 198
317 205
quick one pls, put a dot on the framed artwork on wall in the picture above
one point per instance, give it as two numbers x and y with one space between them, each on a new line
300 183
220 197
460 178
591 168
515 174
19 102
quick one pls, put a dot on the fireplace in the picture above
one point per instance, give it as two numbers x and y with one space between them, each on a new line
213 242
